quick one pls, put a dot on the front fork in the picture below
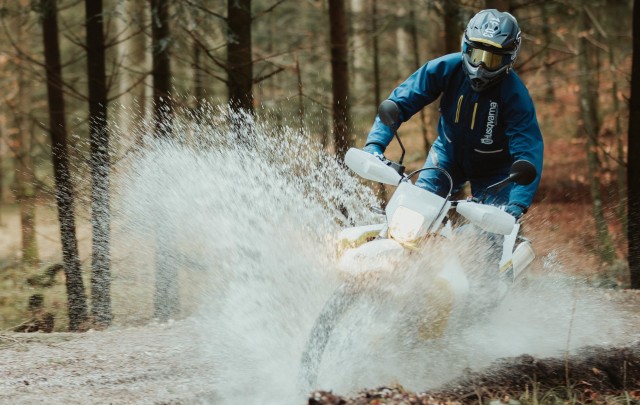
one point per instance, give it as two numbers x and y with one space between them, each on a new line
515 259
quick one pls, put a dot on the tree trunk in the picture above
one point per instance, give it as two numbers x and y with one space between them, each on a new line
452 27
166 294
25 188
100 166
379 189
417 62
588 108
22 141
500 5
239 55
1 179
134 84
301 112
198 83
339 77
204 24
77 305
549 91
166 298
633 157
161 43
620 169
376 55
404 56
360 83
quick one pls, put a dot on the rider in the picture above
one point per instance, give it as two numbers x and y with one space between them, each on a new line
487 118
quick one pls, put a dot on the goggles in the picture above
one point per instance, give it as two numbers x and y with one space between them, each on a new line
489 59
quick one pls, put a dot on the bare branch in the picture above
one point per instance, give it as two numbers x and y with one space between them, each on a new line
548 64
21 54
320 103
204 70
128 89
268 10
595 22
206 50
257 80
206 10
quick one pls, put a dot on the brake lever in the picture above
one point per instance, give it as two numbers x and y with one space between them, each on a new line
400 169
397 167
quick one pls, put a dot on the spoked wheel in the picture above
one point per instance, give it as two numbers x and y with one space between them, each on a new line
336 306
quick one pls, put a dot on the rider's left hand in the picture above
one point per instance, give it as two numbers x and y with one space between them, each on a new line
515 209
373 148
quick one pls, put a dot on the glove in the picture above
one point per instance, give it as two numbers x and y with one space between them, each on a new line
374 149
515 209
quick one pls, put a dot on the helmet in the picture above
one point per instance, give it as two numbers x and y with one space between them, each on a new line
490 45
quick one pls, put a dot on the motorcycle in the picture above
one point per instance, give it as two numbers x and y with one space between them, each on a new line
416 219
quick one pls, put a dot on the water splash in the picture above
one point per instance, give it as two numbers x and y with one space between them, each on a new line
249 211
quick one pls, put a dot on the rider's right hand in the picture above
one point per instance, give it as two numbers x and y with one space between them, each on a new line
374 149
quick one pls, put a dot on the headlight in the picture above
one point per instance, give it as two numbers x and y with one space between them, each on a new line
405 225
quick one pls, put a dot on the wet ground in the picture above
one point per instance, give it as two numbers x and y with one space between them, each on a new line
161 364
155 364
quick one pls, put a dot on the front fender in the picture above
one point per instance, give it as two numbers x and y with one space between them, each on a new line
358 235
376 255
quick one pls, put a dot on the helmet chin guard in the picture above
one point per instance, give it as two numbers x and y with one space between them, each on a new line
490 45
482 78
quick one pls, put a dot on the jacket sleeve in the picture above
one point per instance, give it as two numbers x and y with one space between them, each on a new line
525 141
419 90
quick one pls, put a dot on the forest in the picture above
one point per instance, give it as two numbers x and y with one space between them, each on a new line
89 87
110 66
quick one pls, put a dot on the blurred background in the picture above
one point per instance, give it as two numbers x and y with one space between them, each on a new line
85 82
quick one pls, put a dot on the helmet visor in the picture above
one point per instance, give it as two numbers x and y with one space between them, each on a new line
490 60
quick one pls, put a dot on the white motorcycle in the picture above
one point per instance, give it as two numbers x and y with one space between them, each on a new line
414 218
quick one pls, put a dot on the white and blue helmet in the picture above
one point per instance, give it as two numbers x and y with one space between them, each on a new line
490 45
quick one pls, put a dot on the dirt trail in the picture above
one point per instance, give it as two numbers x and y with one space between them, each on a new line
155 364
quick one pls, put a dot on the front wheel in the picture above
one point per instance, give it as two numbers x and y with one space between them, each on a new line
336 306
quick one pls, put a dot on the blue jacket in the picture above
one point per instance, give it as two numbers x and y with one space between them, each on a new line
480 134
